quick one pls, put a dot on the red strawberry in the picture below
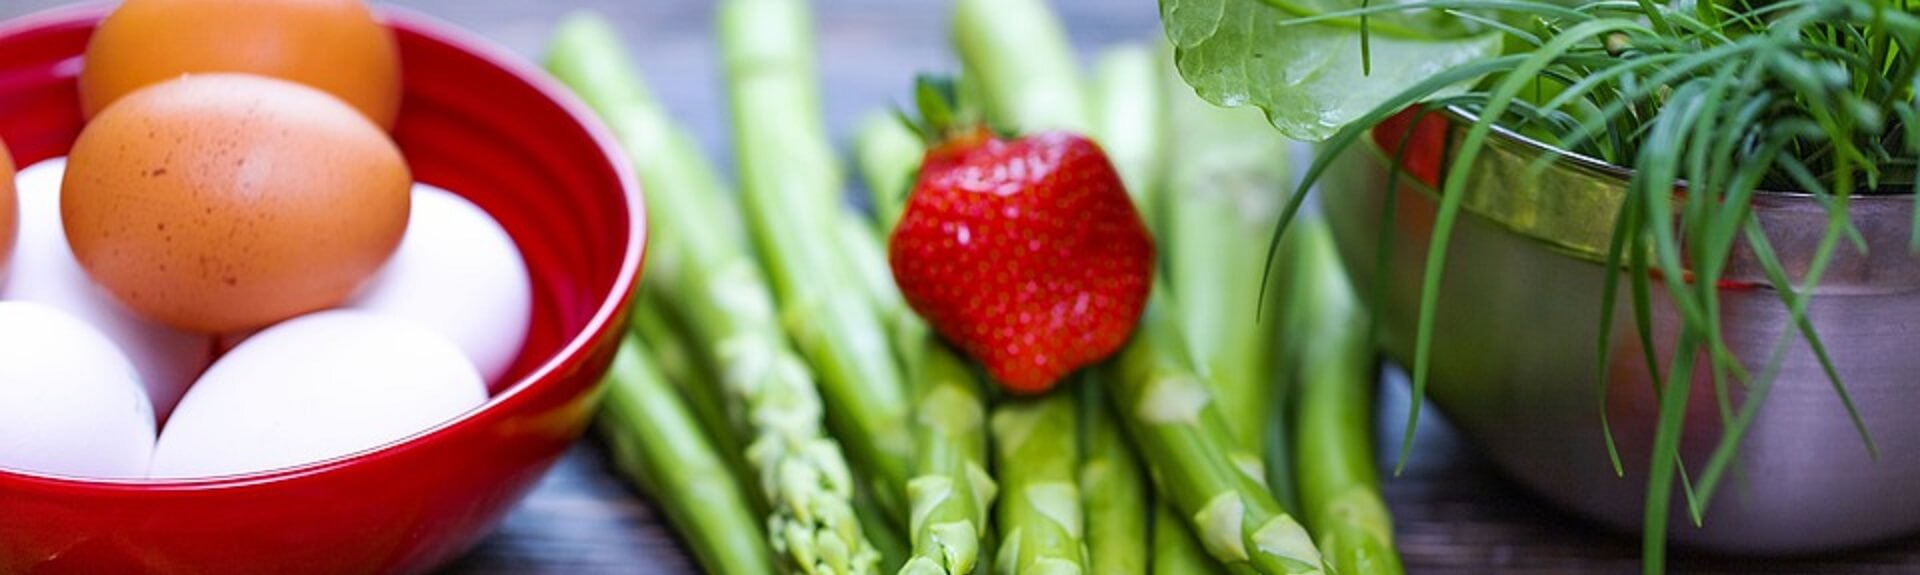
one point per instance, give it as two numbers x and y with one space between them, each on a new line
1027 254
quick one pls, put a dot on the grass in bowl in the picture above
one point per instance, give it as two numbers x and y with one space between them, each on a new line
1720 99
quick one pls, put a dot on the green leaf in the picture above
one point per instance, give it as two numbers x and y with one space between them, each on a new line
1308 78
1408 23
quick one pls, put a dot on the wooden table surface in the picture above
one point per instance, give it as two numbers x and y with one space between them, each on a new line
1454 514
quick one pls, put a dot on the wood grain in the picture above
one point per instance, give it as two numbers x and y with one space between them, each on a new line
1454 514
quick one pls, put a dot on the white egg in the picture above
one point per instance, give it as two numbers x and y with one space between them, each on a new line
45 272
314 388
70 402
459 273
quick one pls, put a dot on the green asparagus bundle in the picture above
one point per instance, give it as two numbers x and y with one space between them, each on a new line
768 391
656 440
1181 430
791 188
1193 386
1339 488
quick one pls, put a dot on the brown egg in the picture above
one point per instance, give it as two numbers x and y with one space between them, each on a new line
9 211
226 201
333 45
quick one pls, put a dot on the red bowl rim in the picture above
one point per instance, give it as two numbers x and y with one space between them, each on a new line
573 352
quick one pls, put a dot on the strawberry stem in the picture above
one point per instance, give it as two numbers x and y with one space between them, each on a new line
938 102
943 118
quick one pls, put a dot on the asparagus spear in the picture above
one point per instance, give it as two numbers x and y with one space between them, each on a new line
868 258
1184 436
1339 488
670 352
888 153
1279 424
1017 52
1041 523
1113 485
951 489
791 192
769 393
1226 186
887 541
1130 122
866 253
1018 63
1175 550
1131 119
655 439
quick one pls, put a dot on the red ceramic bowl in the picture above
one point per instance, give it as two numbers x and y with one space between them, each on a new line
476 121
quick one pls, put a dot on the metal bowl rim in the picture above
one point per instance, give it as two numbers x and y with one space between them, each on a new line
1621 174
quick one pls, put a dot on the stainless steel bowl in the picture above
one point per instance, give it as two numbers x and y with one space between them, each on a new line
1516 349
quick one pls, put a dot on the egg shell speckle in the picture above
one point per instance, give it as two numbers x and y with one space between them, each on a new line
167 359
222 202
